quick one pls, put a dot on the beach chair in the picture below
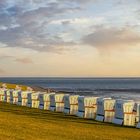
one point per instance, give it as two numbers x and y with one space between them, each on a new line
48 104
124 113
71 104
24 96
105 109
35 99
2 94
52 102
15 96
87 107
59 102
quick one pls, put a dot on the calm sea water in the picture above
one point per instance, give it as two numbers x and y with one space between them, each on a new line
114 87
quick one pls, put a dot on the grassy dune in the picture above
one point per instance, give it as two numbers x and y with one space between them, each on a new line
13 86
24 87
19 123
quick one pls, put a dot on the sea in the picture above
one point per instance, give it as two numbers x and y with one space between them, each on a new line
124 88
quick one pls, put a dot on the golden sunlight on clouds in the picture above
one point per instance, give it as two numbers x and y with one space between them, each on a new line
95 64
70 38
84 62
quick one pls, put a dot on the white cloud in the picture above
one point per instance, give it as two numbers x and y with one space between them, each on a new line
77 27
83 21
104 37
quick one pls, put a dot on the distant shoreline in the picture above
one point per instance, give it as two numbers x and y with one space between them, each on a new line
76 77
24 87
38 88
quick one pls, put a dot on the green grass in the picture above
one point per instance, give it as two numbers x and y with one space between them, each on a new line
13 86
19 123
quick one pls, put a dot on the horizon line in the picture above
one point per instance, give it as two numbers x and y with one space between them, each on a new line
109 77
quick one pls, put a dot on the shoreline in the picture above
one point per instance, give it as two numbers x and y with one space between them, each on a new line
42 89
38 88
25 87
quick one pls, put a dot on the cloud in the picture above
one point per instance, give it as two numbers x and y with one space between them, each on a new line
86 21
2 71
36 41
81 2
24 60
137 12
13 57
5 57
55 26
112 37
25 24
2 3
50 11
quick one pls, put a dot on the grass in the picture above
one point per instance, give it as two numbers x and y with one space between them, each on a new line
13 86
19 123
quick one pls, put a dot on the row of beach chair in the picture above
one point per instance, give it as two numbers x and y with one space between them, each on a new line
121 112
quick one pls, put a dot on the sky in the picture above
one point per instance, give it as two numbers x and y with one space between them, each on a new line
70 38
